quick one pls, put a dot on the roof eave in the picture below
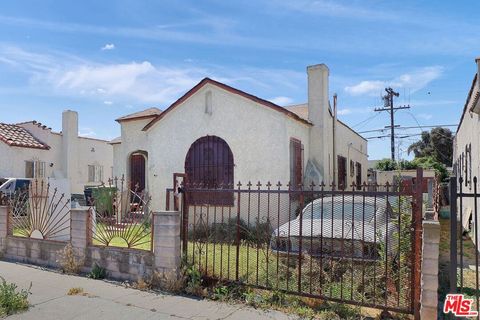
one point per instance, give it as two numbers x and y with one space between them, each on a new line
120 120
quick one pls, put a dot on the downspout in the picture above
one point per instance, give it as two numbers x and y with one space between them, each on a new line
334 129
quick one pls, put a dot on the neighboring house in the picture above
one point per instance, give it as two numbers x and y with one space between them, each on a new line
220 135
32 150
466 149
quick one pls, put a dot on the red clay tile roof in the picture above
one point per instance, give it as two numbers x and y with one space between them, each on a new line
148 113
17 136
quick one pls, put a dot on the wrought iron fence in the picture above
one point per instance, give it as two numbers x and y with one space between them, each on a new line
40 212
121 217
354 246
464 239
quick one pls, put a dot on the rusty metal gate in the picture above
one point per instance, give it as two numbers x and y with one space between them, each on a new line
360 245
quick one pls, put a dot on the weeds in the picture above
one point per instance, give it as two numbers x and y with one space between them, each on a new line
75 291
68 261
12 300
97 272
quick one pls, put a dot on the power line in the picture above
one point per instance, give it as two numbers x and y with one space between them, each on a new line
365 121
405 128
397 136
388 106
431 144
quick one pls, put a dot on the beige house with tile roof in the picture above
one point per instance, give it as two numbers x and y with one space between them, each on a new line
223 135
33 150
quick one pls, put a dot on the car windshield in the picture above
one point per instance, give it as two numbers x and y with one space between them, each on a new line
359 213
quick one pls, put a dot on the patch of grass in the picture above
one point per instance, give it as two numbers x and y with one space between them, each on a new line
12 300
143 237
75 291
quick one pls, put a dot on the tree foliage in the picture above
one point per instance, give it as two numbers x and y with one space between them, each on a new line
421 162
438 143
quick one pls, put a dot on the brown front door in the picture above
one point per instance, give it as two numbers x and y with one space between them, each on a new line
137 172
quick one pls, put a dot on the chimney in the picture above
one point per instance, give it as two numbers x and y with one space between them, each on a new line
69 143
321 144
317 93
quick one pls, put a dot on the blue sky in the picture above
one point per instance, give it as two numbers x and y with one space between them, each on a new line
110 58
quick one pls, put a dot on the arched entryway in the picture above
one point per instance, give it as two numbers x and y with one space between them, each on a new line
209 164
138 162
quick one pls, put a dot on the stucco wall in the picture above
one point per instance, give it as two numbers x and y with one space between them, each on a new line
87 152
468 134
352 147
259 138
91 152
12 160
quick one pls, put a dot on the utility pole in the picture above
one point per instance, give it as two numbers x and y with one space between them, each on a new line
388 106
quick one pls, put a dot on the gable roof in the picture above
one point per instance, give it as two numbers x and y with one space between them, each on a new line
117 140
17 136
144 114
223 86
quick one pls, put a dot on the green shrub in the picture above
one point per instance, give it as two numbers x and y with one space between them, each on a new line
11 300
97 272
193 279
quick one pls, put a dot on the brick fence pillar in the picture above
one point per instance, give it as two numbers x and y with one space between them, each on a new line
80 229
429 296
3 228
166 241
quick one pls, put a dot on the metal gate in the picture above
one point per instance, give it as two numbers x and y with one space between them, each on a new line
464 254
360 245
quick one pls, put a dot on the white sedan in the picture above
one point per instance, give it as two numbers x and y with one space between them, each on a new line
343 227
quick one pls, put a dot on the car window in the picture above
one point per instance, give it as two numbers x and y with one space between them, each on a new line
338 213
22 184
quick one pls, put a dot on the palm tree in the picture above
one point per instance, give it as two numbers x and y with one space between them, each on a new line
422 147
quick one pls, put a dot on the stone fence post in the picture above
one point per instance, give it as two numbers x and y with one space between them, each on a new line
166 241
3 228
80 229
430 248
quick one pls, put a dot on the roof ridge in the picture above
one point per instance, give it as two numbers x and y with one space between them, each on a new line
231 89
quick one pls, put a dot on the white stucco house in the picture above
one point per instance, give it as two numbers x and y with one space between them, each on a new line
220 135
33 150
466 149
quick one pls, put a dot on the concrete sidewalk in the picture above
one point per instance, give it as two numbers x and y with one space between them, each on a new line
49 300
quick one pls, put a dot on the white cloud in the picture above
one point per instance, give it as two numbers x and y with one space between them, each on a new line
86 132
425 116
108 102
335 8
414 80
343 112
281 101
365 87
108 46
137 83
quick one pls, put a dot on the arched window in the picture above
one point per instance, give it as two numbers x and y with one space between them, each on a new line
209 165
